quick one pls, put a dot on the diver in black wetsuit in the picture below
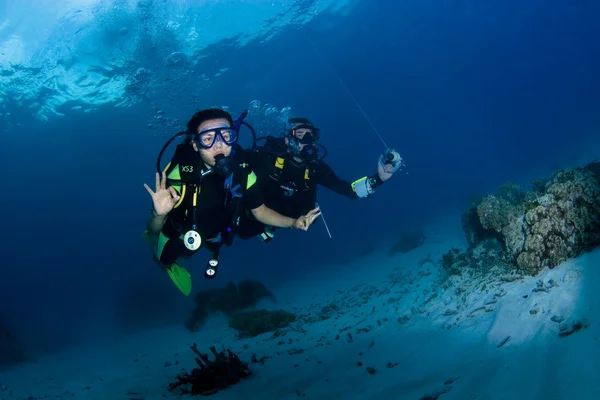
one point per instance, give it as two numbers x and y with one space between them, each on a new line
200 195
290 168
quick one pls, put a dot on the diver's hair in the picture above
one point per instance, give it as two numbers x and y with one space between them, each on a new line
300 120
188 139
207 115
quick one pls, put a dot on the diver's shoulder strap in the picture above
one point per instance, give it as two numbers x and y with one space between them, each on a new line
184 171
279 165
186 164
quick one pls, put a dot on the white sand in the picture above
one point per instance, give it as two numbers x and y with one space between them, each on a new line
445 345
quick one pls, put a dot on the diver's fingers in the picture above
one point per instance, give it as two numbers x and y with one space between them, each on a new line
149 190
305 224
316 212
173 193
157 184
313 218
301 223
163 184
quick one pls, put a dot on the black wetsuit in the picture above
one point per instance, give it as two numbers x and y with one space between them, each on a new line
216 209
292 189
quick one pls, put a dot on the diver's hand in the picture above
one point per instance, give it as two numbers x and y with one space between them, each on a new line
305 221
389 163
164 199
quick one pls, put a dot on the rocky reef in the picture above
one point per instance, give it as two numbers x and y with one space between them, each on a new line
530 230
228 300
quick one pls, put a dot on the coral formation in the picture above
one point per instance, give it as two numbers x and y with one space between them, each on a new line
485 257
228 300
252 323
558 219
452 258
474 230
211 376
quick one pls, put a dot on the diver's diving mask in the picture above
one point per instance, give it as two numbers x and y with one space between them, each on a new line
305 134
207 138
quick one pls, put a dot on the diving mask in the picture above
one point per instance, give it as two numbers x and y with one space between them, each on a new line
305 134
207 138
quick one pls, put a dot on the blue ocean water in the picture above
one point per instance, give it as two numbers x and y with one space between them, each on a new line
472 94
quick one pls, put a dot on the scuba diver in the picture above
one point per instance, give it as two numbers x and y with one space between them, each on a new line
290 168
201 194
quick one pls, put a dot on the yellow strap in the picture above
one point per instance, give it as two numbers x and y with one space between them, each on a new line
181 195
306 174
195 201
279 162
358 181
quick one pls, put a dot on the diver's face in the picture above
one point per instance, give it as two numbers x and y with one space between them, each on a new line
219 147
299 134
300 145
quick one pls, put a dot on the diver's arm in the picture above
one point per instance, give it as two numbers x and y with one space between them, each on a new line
255 202
270 217
262 213
155 223
363 187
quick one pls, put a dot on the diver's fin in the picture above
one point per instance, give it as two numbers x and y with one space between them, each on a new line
180 277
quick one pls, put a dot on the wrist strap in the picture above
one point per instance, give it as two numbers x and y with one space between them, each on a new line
375 180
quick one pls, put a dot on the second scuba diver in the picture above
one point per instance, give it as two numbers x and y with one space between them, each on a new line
290 168
203 192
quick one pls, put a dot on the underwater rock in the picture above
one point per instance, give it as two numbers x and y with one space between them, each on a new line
253 323
489 254
544 227
512 192
211 376
228 300
567 329
594 168
563 222
453 261
496 213
474 230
